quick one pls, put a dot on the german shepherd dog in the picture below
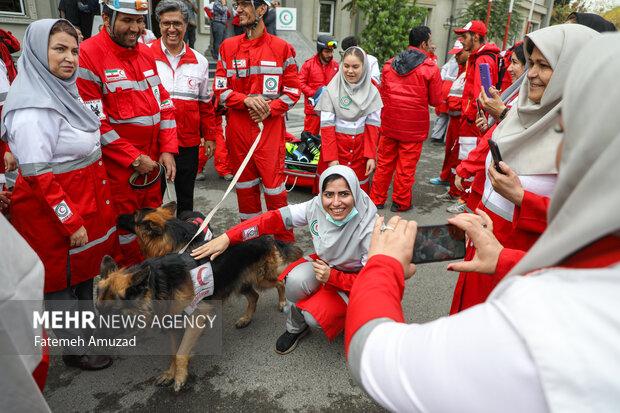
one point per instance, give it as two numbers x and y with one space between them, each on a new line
160 233
240 269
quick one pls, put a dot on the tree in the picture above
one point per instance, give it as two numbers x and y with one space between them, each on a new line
388 23
562 8
477 10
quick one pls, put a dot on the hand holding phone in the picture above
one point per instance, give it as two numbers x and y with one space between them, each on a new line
497 156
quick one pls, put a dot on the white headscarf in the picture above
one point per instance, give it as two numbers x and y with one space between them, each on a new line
350 101
526 138
36 87
584 207
342 246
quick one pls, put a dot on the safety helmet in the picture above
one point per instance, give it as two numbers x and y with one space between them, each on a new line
324 41
128 6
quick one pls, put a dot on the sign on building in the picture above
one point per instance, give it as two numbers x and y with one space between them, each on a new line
286 18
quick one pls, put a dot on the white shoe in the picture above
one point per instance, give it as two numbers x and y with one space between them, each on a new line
456 208
445 197
201 176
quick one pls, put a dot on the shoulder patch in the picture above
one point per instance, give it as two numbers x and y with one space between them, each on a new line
97 107
221 82
63 212
250 233
166 104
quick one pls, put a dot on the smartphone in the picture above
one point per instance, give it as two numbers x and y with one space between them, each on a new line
435 243
497 156
485 77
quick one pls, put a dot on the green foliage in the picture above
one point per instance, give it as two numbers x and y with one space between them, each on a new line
388 23
477 10
561 10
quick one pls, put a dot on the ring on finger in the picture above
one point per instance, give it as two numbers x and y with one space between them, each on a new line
384 227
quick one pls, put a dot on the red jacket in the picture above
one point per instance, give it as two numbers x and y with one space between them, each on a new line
312 76
487 53
410 82
190 90
122 86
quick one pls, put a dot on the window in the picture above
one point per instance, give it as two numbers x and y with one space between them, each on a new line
326 17
12 7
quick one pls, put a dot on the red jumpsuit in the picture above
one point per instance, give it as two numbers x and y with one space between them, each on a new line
469 133
406 90
261 66
451 150
313 75
326 305
351 143
122 87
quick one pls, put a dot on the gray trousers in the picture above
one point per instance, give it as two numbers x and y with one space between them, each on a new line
300 283
77 298
218 31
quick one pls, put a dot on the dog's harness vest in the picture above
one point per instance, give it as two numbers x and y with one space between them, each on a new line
201 273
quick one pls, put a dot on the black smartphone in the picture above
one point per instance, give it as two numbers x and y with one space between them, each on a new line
438 243
497 156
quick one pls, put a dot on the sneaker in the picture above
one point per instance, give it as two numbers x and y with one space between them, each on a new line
445 197
288 341
397 208
438 181
457 208
228 177
380 206
201 176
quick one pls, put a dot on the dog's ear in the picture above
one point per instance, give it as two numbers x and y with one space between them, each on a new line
126 222
108 265
152 228
138 284
170 207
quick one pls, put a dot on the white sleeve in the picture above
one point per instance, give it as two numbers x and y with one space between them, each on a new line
4 83
294 215
374 118
33 135
205 92
328 119
470 362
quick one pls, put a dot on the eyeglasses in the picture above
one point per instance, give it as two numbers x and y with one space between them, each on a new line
243 4
176 24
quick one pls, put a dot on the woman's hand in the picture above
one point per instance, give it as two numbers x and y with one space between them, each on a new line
479 229
10 163
212 248
332 163
371 164
492 105
481 123
209 148
396 240
5 200
458 182
508 185
321 270
79 237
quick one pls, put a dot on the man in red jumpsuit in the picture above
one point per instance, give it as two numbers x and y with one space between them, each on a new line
315 74
257 80
118 80
410 82
473 39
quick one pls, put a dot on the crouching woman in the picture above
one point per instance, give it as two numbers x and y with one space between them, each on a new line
340 220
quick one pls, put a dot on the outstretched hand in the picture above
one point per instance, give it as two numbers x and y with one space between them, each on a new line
479 229
212 249
396 240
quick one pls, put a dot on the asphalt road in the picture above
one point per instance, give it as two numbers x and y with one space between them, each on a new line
249 375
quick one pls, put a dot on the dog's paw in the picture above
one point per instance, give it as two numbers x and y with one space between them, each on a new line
179 382
243 322
281 306
165 378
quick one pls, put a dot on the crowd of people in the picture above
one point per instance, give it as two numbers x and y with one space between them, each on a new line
104 126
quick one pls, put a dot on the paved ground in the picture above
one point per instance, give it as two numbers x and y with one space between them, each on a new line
249 375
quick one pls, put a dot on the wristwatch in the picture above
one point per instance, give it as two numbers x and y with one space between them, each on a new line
504 113
136 162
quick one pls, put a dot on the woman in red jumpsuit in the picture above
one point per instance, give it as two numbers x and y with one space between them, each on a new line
350 109
61 203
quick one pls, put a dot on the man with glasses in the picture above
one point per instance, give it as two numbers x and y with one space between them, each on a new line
257 81
118 80
185 74
315 74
